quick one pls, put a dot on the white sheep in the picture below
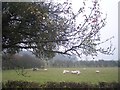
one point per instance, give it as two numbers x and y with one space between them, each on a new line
97 71
78 72
45 69
65 71
75 72
35 69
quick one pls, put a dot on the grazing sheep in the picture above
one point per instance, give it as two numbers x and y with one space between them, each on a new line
35 69
97 71
45 69
75 72
78 72
65 71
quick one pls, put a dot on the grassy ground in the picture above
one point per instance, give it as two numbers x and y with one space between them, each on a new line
55 74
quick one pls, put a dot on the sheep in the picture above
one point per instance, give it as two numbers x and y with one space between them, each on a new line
75 72
65 71
78 72
45 69
97 71
35 69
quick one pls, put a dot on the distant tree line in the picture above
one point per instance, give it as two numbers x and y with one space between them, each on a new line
17 61
71 63
26 61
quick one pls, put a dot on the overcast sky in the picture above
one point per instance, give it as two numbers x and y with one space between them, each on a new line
111 29
109 7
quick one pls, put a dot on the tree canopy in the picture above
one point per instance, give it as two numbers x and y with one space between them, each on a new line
30 26
44 28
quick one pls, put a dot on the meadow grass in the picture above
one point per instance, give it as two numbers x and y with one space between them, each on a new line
56 75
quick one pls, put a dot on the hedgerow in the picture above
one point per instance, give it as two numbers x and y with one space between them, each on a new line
61 85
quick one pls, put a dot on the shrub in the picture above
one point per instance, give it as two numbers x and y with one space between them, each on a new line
109 85
20 84
65 85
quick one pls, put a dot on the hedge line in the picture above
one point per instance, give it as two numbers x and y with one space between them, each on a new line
60 85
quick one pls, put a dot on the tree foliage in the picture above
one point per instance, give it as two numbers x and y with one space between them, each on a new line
30 27
44 28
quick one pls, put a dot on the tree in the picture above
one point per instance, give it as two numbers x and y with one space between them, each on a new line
30 27
46 27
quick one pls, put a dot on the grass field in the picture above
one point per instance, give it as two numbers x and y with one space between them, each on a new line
55 74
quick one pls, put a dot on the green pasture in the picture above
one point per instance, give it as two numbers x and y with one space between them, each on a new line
56 75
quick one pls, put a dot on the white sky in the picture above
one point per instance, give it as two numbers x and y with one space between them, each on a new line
111 28
109 7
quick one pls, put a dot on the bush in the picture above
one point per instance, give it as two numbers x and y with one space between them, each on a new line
65 85
85 86
20 84
109 85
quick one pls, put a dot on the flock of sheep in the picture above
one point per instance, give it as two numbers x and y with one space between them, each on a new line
67 71
76 71
73 72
